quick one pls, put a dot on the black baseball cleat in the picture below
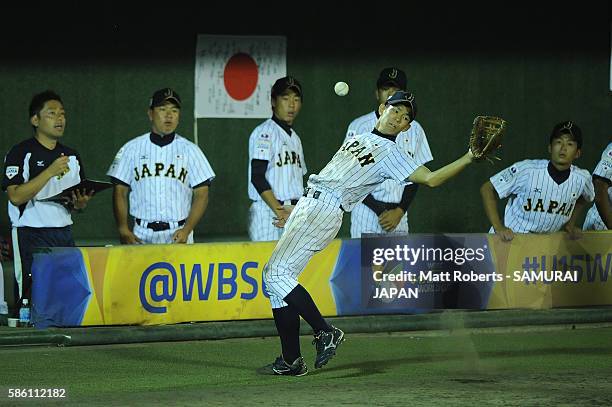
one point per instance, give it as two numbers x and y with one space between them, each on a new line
326 344
282 368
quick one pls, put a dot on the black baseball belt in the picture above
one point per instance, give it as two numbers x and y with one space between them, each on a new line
158 226
293 201
316 194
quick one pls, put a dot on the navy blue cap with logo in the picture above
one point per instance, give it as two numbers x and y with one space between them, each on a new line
403 98
288 82
164 95
392 76
567 127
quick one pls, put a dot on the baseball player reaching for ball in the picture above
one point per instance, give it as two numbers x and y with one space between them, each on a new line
276 162
385 209
166 177
545 195
599 217
362 163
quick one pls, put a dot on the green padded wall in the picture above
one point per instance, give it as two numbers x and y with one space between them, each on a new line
534 78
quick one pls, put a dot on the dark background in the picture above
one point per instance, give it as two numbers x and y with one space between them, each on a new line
533 65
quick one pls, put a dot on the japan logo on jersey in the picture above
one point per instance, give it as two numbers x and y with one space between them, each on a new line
11 171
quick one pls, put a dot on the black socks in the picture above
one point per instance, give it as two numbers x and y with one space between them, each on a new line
302 302
287 322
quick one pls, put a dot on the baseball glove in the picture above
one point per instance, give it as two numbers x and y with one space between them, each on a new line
486 137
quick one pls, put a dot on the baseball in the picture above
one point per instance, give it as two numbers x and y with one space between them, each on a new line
341 88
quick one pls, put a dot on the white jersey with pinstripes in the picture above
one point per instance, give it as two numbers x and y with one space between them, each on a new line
285 156
161 179
537 203
362 163
603 169
414 143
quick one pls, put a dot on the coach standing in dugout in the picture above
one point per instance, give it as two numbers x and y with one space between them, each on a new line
166 177
38 168
276 162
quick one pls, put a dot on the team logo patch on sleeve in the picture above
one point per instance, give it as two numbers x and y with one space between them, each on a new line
11 171
508 174
263 142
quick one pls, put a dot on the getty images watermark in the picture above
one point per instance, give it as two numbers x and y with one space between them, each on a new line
397 268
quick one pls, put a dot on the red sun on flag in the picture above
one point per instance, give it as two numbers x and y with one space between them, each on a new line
240 76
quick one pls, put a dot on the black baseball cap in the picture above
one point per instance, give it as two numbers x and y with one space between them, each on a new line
165 95
288 82
401 97
392 76
567 127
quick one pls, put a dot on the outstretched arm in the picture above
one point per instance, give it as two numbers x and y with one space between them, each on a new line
436 178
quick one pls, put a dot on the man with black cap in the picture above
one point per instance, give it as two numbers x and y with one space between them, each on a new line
362 163
276 162
166 177
385 209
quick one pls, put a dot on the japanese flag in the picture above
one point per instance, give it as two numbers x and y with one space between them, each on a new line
234 75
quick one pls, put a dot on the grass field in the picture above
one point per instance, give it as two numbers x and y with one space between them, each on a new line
505 367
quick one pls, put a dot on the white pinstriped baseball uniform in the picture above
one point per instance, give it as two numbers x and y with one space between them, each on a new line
356 169
161 181
604 169
414 142
285 174
537 203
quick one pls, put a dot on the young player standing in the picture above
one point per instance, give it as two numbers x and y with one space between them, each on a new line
276 162
545 196
385 209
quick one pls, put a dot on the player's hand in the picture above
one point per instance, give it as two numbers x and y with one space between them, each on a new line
282 215
573 232
126 236
505 234
80 199
389 219
180 236
59 166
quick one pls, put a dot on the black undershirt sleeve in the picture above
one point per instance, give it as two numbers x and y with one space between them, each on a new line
117 181
377 206
606 180
258 175
408 195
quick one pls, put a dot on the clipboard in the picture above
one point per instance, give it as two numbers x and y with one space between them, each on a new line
87 185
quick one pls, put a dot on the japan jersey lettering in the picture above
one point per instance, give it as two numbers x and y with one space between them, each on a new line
537 203
360 165
285 156
161 179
